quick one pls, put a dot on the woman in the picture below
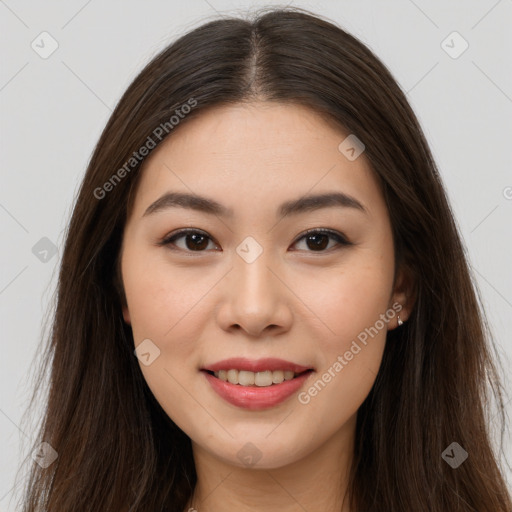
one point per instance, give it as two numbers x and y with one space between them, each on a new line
264 302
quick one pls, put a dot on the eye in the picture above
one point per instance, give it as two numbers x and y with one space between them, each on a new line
197 241
318 239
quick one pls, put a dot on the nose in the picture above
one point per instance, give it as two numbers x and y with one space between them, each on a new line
255 298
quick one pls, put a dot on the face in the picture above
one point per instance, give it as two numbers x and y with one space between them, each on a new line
257 272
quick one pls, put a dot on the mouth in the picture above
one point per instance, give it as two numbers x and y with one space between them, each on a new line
256 384
262 379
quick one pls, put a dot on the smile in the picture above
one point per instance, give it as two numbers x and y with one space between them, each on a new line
260 379
256 384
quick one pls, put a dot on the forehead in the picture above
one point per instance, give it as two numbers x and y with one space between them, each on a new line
254 155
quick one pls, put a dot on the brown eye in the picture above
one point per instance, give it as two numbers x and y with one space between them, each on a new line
317 240
194 240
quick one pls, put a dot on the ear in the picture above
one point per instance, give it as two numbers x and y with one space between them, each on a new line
403 297
126 315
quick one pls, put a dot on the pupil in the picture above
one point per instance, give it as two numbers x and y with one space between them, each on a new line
318 244
196 245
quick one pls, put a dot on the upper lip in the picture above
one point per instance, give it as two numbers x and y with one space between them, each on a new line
256 365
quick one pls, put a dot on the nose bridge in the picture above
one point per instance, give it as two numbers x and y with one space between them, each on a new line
254 297
254 281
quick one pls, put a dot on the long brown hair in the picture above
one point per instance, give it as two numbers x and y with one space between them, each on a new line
117 449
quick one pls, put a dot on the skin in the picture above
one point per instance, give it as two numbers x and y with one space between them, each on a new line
293 302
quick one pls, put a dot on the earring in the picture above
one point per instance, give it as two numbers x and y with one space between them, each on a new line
400 322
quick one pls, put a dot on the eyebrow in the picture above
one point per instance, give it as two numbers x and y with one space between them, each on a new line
292 207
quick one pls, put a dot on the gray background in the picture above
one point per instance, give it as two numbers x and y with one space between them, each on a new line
53 110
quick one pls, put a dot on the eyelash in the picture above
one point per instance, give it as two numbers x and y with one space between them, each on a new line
338 237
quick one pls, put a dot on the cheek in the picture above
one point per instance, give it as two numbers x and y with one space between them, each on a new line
161 300
352 304
351 299
163 305
350 357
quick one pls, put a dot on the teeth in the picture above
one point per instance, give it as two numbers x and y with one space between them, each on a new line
277 376
232 376
245 378
260 379
263 379
288 375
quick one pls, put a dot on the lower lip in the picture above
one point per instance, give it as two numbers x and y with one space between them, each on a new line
254 397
